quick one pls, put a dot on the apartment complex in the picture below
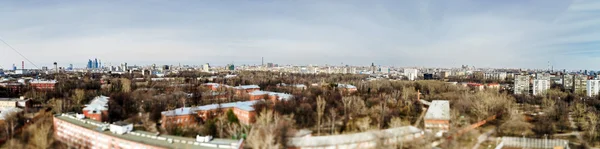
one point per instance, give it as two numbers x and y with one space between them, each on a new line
540 87
579 84
521 86
78 132
593 88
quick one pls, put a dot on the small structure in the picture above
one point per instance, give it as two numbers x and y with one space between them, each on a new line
97 109
121 128
437 118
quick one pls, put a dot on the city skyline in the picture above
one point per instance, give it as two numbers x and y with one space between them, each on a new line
507 34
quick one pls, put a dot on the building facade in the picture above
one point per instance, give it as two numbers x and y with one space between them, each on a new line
97 109
521 86
43 84
593 88
540 87
411 74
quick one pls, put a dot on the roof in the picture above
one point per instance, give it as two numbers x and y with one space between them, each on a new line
5 112
245 105
97 104
438 110
321 141
280 96
151 138
179 111
346 86
247 87
35 81
518 142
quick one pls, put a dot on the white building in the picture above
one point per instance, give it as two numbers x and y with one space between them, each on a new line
411 74
540 86
206 67
593 87
521 84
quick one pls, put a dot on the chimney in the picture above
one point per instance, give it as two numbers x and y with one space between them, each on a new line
23 65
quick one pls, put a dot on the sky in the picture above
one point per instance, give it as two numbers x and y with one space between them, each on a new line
403 33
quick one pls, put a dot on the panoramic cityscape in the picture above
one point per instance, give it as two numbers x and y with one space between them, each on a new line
300 74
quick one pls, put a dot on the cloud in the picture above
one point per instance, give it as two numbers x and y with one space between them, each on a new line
432 33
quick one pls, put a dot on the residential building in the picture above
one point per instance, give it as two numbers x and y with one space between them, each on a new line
567 81
392 136
179 117
43 84
97 109
15 103
593 88
186 116
580 84
245 89
540 87
78 132
437 118
243 110
411 74
521 84
272 96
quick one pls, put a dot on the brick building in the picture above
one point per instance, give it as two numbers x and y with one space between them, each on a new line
347 87
84 133
272 96
245 89
43 84
97 109
187 116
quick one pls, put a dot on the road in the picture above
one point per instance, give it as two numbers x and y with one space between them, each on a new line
483 137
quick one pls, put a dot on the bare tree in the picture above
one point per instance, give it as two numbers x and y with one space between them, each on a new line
320 110
332 114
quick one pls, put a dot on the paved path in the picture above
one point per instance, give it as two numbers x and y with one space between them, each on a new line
483 137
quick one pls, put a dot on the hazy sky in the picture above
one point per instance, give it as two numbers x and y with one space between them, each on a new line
431 33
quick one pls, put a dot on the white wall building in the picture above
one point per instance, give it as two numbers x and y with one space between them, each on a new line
411 74
540 86
593 87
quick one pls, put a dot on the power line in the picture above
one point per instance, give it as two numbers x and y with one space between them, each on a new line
19 53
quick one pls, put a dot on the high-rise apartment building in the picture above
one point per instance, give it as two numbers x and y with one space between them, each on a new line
540 86
593 87
521 84
411 74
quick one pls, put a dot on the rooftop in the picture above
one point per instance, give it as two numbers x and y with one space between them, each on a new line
245 105
346 86
438 110
151 138
247 87
42 81
518 142
98 104
317 141
5 112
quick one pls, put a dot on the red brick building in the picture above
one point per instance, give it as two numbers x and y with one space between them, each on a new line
97 109
43 84
245 89
85 133
272 96
182 117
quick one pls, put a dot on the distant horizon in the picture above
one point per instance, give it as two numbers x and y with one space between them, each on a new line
436 33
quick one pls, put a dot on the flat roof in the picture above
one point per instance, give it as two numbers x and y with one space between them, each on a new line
438 110
145 137
320 141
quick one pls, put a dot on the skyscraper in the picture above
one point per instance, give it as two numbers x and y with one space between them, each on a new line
90 64
95 63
